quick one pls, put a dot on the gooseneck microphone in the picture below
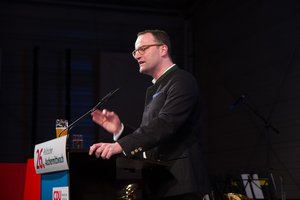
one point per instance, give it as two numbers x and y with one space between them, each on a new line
100 103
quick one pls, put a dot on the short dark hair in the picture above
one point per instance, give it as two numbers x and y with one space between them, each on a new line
160 36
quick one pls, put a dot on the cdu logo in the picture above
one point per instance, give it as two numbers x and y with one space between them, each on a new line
60 193
39 162
56 195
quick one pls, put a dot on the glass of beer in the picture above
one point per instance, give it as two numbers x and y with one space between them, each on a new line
61 126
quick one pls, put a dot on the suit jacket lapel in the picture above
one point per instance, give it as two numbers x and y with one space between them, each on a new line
149 94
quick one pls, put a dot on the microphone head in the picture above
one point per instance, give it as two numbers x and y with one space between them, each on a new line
104 99
116 90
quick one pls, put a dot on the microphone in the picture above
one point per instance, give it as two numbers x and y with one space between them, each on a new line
100 103
239 101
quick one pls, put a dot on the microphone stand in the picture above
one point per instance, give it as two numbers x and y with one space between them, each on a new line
100 103
268 126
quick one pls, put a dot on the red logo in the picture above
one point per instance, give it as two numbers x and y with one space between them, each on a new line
39 161
56 195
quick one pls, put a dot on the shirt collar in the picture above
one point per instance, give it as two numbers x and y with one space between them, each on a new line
154 80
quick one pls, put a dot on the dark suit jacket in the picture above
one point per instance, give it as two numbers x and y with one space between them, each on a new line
170 132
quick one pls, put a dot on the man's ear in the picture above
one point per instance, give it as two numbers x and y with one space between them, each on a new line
164 50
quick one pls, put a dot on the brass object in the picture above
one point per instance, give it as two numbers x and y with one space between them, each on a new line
234 196
129 192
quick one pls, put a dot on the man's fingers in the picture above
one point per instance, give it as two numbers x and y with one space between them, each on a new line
104 112
96 112
107 113
93 148
105 150
109 153
100 150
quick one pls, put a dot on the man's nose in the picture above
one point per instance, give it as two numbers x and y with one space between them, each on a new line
137 55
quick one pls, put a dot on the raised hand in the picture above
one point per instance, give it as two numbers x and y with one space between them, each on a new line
108 120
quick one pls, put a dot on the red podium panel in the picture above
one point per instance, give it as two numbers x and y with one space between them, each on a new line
32 189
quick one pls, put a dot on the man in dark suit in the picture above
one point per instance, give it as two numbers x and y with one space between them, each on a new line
170 127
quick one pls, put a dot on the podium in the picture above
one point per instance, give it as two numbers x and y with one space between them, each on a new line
74 175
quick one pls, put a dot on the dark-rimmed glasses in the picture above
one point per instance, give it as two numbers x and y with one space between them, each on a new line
143 48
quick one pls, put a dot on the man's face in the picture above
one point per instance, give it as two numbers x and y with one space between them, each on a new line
148 57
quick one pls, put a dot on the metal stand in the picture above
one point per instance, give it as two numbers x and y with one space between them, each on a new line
267 127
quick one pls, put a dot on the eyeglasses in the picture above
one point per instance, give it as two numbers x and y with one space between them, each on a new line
143 48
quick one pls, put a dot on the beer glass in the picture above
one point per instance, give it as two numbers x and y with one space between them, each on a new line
61 126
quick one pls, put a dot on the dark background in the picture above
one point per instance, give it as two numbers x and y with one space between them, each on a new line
59 58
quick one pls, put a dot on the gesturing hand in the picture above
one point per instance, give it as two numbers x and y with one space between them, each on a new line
105 150
108 120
